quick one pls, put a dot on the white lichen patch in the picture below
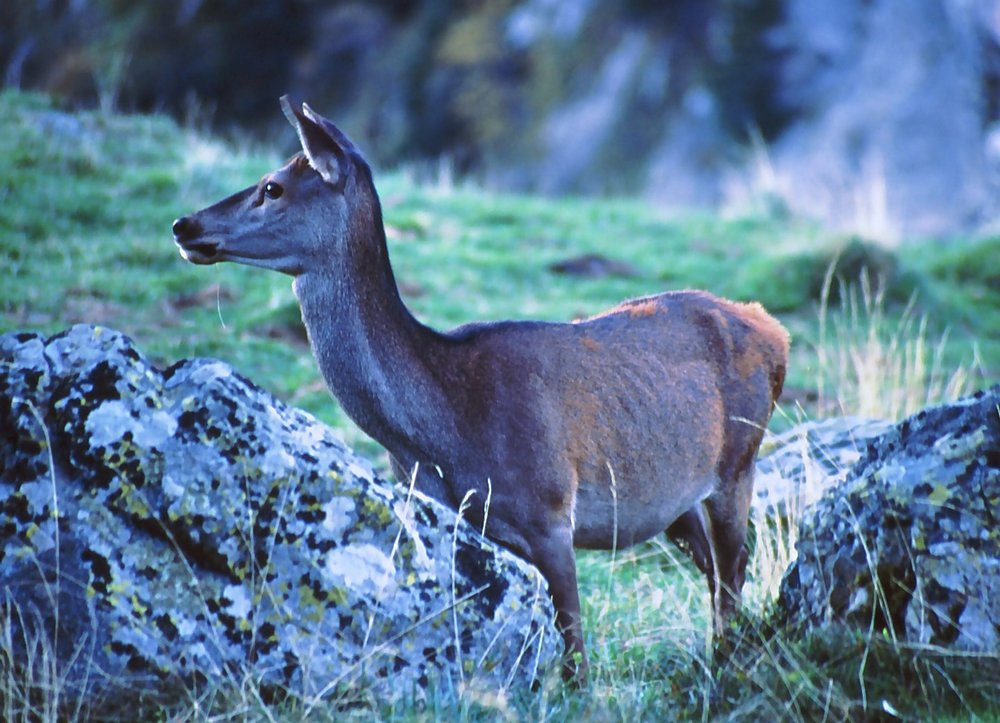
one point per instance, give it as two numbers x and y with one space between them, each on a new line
110 422
239 601
205 374
364 568
338 513
41 495
276 462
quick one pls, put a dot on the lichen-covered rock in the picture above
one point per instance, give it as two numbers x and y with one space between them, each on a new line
799 465
160 528
910 543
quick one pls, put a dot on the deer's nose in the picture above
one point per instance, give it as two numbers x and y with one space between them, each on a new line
186 228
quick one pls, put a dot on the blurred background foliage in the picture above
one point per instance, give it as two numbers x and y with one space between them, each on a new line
876 117
426 77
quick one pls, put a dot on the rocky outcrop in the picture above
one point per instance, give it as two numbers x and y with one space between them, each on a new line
910 542
162 528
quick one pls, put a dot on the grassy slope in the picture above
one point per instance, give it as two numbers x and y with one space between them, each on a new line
86 203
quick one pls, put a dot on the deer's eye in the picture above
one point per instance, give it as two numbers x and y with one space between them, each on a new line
273 190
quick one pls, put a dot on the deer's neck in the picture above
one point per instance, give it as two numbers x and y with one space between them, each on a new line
376 358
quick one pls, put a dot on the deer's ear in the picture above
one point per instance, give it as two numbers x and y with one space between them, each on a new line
335 134
323 150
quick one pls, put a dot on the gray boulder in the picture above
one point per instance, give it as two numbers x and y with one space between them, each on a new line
163 528
910 543
799 465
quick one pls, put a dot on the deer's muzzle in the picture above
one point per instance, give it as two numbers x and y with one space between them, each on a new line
187 236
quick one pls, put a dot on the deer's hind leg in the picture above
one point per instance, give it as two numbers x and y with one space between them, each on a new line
726 513
713 533
689 533
694 532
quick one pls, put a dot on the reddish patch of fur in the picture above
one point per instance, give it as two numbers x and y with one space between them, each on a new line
635 308
646 307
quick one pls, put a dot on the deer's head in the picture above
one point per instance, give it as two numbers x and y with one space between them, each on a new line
295 218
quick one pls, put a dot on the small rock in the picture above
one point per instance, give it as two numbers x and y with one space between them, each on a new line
593 266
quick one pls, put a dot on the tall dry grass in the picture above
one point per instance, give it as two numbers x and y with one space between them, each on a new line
873 364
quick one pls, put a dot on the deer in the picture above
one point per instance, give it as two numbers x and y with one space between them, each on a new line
594 434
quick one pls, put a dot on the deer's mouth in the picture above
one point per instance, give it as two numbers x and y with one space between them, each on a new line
199 252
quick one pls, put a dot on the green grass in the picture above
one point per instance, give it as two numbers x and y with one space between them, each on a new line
86 204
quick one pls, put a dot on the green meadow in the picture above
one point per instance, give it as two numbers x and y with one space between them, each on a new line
86 204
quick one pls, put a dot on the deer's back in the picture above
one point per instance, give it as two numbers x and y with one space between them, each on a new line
686 345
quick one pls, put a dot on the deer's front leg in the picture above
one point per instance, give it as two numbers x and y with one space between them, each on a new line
552 553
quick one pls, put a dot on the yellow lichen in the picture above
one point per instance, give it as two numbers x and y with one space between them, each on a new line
939 495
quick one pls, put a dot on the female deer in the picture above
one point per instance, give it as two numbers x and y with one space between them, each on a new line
604 432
